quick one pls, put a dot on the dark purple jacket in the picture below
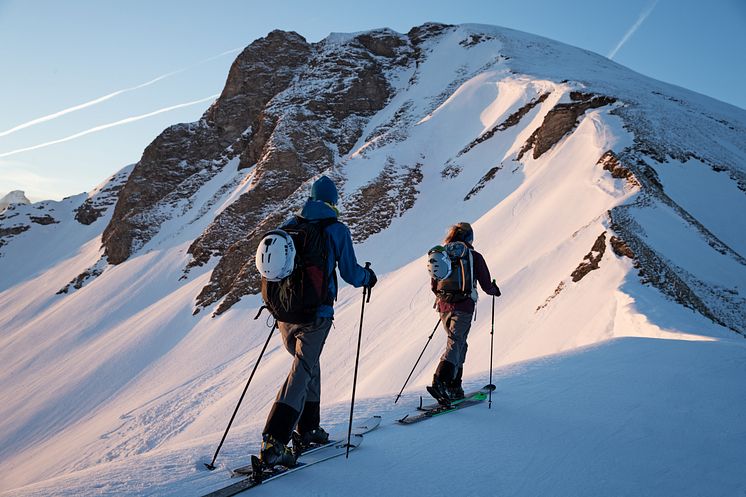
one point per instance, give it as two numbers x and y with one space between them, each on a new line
482 275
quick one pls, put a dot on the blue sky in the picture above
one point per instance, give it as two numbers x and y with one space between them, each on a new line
57 56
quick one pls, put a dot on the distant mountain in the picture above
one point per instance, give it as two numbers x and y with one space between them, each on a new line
14 197
607 204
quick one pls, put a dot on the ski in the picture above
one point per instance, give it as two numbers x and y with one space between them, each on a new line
433 410
359 428
313 456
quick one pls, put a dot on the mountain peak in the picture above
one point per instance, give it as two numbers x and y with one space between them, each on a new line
13 197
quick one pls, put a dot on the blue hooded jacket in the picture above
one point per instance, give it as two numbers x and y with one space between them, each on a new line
341 253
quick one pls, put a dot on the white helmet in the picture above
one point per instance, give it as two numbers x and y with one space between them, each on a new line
438 263
275 255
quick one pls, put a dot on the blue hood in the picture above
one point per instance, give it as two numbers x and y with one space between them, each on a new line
316 209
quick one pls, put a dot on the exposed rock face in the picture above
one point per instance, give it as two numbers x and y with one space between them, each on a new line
7 233
291 110
561 120
489 176
185 156
85 277
372 208
166 166
653 190
20 216
384 45
591 259
657 270
299 135
420 34
87 213
474 40
97 204
43 220
610 162
264 69
620 248
556 293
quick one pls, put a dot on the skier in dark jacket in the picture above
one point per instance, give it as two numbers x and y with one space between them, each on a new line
456 318
298 401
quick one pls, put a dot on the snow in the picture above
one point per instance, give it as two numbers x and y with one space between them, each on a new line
14 197
709 196
51 246
604 388
632 416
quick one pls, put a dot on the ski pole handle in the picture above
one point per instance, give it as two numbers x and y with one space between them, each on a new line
367 288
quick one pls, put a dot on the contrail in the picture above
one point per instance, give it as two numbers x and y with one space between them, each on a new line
110 95
110 125
644 15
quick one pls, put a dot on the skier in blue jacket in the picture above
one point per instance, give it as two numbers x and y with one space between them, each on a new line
298 401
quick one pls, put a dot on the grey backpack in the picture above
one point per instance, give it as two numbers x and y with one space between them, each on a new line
454 283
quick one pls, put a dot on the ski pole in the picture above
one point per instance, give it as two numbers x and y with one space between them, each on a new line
211 466
366 298
492 346
418 360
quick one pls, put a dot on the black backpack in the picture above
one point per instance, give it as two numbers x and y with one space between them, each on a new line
296 298
459 284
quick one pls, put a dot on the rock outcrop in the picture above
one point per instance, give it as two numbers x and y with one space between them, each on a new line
610 162
510 121
292 110
101 200
591 260
300 134
561 120
185 156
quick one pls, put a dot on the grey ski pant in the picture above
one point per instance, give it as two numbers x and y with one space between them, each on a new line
457 325
305 342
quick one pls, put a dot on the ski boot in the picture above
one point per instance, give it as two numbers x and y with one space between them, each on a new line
317 436
439 391
275 453
455 391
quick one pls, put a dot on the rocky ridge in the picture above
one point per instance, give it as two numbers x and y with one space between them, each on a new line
185 156
292 110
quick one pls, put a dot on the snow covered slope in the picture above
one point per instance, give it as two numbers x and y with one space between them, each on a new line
605 203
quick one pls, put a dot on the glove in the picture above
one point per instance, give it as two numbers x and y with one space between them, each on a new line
495 290
372 280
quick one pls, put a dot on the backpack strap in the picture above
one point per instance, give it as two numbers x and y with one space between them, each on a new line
473 290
